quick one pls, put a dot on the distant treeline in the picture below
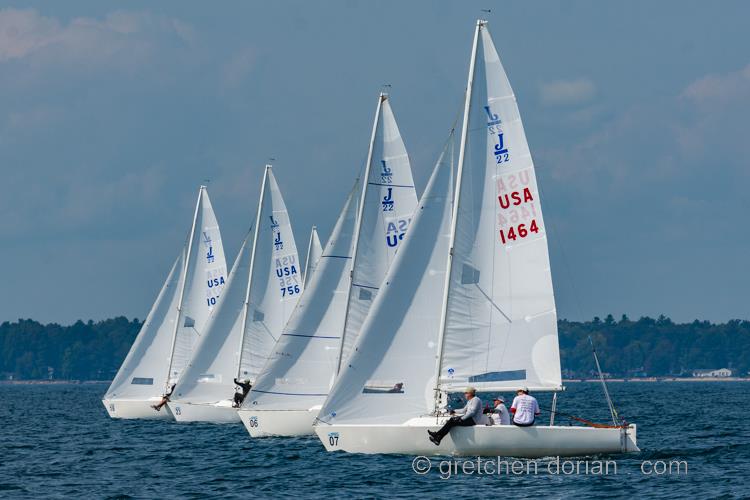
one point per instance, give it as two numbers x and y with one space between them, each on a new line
646 347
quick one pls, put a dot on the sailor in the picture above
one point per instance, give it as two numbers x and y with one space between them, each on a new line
242 390
500 415
467 416
164 399
524 408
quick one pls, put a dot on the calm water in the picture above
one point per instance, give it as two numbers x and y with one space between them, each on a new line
57 441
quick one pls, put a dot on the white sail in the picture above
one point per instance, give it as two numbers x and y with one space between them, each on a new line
390 376
209 377
178 313
276 283
500 323
388 204
141 375
314 251
205 276
300 370
495 322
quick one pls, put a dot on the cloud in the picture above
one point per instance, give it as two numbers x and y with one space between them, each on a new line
238 67
719 89
567 91
120 38
701 126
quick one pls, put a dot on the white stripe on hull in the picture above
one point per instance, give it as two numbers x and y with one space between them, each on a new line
220 413
500 440
129 408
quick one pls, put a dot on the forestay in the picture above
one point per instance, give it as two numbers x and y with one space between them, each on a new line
205 276
389 199
302 365
500 323
390 376
141 375
314 251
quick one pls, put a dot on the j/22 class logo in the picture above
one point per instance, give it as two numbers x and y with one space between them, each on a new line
210 257
395 231
386 174
493 126
388 201
277 243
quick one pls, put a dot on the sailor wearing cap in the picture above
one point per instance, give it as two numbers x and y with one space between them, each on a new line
500 415
465 417
525 408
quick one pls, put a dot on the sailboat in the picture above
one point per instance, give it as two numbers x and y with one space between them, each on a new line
261 292
289 393
165 342
314 251
468 301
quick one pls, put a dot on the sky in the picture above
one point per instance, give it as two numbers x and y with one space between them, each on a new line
112 115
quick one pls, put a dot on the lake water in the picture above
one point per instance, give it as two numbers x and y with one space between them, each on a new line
57 441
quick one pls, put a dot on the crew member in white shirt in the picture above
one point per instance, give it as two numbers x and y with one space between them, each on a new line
500 415
467 416
524 408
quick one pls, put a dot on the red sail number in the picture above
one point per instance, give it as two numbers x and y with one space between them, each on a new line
519 231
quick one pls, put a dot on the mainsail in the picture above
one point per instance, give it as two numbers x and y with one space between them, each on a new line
486 264
388 202
500 325
301 367
205 277
261 292
314 251
390 376
178 314
276 281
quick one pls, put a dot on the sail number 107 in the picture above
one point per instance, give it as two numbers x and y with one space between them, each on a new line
519 231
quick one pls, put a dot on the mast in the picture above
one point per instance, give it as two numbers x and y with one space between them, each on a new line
185 270
456 199
309 251
246 305
360 210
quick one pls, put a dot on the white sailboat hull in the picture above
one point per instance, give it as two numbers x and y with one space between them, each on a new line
131 408
286 423
219 413
500 440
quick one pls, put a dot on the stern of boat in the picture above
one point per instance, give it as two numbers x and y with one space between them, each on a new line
629 439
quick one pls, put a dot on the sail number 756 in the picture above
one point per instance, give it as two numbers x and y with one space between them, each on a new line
519 231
